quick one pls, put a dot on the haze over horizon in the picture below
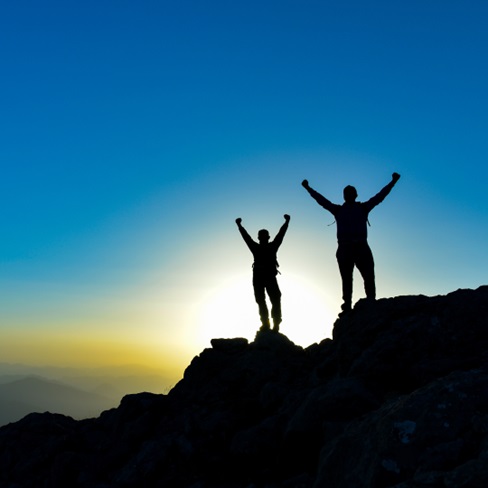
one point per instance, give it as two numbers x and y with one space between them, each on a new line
133 134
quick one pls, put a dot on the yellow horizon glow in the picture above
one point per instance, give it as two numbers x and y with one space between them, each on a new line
74 350
158 327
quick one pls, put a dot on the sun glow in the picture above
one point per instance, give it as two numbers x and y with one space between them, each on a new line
231 311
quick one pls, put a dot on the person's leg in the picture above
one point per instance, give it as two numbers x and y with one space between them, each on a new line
365 265
259 295
274 294
345 260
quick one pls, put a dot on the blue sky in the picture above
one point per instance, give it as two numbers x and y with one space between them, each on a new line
132 134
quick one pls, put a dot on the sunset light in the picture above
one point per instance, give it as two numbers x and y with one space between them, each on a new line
134 134
230 311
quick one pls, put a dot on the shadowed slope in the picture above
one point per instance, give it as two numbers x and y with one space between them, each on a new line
399 398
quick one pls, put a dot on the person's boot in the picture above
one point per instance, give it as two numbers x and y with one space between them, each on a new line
346 307
265 324
276 324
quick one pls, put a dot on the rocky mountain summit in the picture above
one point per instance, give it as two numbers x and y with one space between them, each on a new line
398 398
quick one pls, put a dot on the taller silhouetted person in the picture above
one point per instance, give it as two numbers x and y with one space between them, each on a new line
265 269
352 236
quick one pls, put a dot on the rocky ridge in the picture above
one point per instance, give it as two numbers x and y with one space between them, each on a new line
398 398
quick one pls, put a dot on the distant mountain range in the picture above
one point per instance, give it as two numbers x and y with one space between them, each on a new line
69 391
36 394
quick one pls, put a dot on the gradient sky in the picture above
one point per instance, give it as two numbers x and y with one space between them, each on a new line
132 134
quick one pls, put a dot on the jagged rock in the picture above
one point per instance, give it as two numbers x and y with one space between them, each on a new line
425 433
230 345
405 342
398 398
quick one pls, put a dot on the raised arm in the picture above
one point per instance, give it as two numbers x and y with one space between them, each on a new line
383 193
281 233
320 199
245 235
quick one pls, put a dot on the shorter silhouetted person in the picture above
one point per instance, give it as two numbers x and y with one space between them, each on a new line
352 236
265 269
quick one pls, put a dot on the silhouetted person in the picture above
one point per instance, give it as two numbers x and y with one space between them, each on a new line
265 269
352 236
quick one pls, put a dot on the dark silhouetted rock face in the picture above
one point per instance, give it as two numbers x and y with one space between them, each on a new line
399 398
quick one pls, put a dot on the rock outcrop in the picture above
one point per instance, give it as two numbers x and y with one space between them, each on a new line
398 398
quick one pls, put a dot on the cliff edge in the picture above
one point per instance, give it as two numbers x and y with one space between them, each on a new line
398 398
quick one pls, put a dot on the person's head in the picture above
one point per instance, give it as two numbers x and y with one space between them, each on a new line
263 236
350 194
